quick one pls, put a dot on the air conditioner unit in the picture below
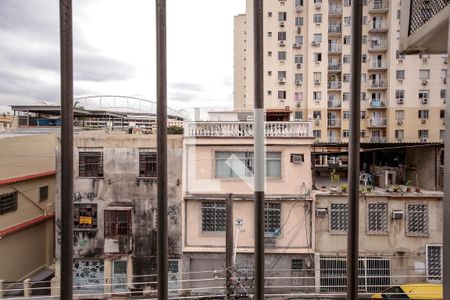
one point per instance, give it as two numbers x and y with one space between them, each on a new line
296 46
281 80
282 43
299 8
297 158
318 5
444 80
316 121
445 61
298 104
424 82
399 139
424 60
281 24
321 212
298 82
423 140
400 80
299 29
316 82
400 101
400 122
397 215
400 61
424 100
299 66
315 44
424 121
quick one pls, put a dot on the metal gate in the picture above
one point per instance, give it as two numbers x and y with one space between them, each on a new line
120 276
88 276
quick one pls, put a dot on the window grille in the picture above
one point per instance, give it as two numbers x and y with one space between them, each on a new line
90 164
85 216
120 276
416 220
148 163
434 262
272 215
377 221
339 217
297 264
8 203
213 216
117 223
43 193
421 11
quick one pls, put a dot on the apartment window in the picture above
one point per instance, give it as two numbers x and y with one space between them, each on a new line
90 163
377 219
345 96
298 59
416 219
148 163
281 55
281 75
364 20
362 134
399 94
443 73
317 37
346 114
213 216
317 1
272 217
317 133
298 39
399 114
345 133
363 96
282 36
282 16
269 34
269 73
269 93
317 57
347 2
117 223
298 21
434 262
424 74
240 164
298 2
338 217
399 55
317 18
346 59
442 113
317 77
346 77
347 21
363 114
364 58
298 115
399 134
281 95
424 94
299 77
317 114
298 96
347 40
400 74
8 203
269 14
423 134
442 134
363 79
84 216
443 94
43 193
423 114
398 14
317 95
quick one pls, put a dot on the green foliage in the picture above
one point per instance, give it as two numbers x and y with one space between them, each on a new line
175 130
334 177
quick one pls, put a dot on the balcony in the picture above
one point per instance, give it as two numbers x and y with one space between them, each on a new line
245 129
378 46
378 27
377 104
377 66
334 85
377 122
377 84
335 48
334 123
378 139
335 67
334 29
334 10
378 6
334 104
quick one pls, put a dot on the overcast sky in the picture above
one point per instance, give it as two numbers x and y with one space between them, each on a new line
114 50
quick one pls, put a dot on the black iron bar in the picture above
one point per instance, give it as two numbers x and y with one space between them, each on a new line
65 17
161 123
354 154
229 247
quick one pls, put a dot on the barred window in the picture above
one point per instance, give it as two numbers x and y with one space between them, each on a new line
434 262
296 264
147 163
43 193
272 217
117 223
416 220
8 203
90 164
377 221
84 216
339 217
213 216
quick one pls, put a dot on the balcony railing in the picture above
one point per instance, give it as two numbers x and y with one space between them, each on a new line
334 122
334 67
378 139
334 85
379 26
377 84
335 48
378 65
334 28
377 104
379 4
334 104
245 129
335 10
377 122
378 45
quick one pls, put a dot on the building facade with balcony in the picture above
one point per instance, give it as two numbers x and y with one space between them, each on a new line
307 44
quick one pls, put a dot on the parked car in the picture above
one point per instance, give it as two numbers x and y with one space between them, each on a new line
412 291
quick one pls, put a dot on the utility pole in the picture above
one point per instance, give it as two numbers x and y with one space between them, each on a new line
354 154
161 123
229 246
65 23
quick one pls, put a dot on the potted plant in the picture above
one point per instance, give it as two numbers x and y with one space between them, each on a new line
396 188
334 177
408 186
344 187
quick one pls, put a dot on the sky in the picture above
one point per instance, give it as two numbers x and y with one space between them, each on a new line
114 50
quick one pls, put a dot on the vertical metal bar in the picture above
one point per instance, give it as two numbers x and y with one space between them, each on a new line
259 155
229 245
446 217
65 15
161 123
354 154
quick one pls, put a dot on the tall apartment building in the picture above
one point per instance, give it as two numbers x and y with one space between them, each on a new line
307 54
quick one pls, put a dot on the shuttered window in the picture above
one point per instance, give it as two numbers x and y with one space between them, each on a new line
90 164
8 203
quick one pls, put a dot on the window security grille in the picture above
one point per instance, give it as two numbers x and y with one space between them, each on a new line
120 276
339 217
84 216
213 216
297 264
416 220
43 193
374 274
8 203
434 262
91 164
377 221
148 164
272 214
117 223
422 11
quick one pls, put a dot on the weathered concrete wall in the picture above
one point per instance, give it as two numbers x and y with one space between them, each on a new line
424 163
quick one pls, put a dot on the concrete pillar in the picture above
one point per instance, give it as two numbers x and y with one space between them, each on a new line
317 272
2 282
54 287
108 274
27 288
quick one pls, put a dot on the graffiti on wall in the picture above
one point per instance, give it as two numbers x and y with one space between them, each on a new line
91 196
88 274
174 213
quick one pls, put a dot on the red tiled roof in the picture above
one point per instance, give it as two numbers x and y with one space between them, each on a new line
27 177
25 225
